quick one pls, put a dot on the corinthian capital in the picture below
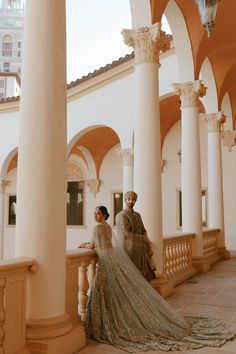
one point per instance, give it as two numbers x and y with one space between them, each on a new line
189 92
229 138
127 156
147 42
214 121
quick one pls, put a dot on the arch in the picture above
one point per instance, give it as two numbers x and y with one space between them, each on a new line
91 168
181 40
7 45
97 140
208 77
82 166
6 163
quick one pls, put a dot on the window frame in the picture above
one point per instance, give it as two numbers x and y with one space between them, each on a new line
113 192
179 209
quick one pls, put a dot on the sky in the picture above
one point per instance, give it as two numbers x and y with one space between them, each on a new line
94 34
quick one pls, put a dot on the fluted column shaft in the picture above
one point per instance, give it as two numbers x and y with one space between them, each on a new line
127 156
189 93
147 43
41 180
215 178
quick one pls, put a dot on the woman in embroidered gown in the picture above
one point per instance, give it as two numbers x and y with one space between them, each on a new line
125 311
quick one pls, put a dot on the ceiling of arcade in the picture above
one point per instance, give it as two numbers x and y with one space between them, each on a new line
220 48
98 142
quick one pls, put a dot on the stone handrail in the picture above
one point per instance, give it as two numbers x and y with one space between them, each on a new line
13 274
81 268
178 258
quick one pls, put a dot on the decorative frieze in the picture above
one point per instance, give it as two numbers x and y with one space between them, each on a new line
147 42
93 185
229 138
214 121
74 171
127 156
189 92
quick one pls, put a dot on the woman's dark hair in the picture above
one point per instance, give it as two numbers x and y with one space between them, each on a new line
104 211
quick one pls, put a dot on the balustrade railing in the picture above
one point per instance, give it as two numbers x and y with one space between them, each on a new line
210 249
80 272
178 258
13 303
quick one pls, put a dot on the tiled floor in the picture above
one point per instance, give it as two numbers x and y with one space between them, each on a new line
213 293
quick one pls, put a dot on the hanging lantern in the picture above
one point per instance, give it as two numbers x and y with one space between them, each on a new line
207 10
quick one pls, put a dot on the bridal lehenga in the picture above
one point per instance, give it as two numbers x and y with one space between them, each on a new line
125 311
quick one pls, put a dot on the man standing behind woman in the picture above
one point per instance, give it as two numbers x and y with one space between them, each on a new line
125 311
133 237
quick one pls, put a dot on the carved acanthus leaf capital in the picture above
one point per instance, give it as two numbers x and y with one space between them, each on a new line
147 42
189 92
127 156
93 185
229 138
214 121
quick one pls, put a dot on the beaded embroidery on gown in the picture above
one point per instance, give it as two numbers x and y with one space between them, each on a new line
125 311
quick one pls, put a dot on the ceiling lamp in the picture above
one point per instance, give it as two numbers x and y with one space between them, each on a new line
207 10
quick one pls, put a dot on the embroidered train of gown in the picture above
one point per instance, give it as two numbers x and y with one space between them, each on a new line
125 311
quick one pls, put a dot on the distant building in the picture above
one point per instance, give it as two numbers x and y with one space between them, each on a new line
11 42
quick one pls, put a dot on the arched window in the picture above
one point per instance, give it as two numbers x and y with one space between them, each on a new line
7 46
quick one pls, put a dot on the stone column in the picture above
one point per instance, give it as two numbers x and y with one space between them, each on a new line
41 180
3 184
128 168
189 93
147 43
214 122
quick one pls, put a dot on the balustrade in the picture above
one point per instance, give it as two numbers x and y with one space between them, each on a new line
178 258
210 249
13 304
81 268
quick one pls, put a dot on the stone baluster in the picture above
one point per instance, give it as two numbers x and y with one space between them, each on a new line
83 289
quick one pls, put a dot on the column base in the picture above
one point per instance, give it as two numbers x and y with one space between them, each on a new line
54 336
224 253
70 343
201 264
162 285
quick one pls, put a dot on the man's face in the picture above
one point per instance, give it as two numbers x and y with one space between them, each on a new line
130 202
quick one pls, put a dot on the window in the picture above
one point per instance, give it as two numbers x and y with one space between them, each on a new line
2 83
19 45
179 208
12 210
7 46
117 198
75 203
6 67
19 53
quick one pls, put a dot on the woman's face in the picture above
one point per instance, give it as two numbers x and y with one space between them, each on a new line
98 215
